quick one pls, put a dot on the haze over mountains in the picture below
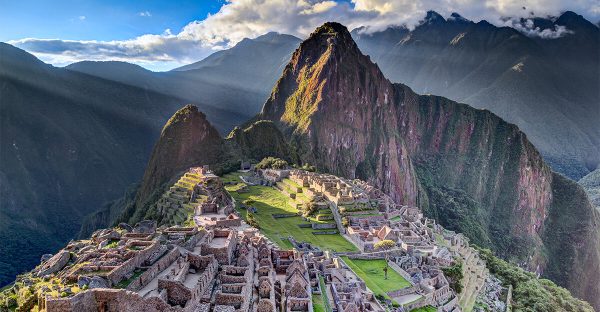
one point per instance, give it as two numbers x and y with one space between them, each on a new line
88 129
236 80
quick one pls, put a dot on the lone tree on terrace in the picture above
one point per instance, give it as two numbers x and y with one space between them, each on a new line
385 245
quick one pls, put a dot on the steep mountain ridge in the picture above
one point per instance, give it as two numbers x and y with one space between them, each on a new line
548 87
341 114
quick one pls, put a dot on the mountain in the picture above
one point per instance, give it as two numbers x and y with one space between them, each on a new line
69 143
591 184
236 80
467 168
547 86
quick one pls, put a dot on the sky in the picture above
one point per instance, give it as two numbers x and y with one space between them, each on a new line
161 35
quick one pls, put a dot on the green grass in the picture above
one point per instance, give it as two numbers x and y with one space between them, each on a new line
318 305
270 201
424 309
324 299
371 271
124 283
396 218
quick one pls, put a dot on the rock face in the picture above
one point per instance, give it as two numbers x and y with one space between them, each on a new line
468 168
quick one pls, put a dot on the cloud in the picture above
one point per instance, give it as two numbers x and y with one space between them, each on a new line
527 27
238 19
145 14
81 17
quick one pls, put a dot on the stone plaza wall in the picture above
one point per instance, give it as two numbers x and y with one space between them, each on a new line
159 266
119 273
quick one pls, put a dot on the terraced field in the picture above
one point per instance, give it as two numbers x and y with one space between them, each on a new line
174 206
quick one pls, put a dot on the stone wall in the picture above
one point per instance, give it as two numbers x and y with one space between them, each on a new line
128 266
159 266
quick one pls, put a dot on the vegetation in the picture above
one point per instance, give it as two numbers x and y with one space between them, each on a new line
371 271
424 309
272 163
530 293
252 220
454 275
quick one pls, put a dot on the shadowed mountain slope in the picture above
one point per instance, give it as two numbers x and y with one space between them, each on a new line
69 143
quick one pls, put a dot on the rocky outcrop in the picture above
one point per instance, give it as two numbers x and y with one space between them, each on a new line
468 168
54 264
187 140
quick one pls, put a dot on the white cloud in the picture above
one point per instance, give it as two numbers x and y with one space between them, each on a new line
145 14
238 19
81 17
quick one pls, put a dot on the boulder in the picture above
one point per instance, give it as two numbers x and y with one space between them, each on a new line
109 235
98 282
54 264
126 227
83 281
145 226
46 257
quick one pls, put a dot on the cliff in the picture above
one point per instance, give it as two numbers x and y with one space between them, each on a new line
467 168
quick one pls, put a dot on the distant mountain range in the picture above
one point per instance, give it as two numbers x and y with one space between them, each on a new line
235 80
550 88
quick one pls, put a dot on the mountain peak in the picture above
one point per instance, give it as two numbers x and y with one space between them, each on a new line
574 21
187 139
331 28
433 17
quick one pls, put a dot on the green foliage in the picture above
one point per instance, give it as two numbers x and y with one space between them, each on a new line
248 202
309 209
531 294
252 220
345 222
272 163
385 244
309 168
454 275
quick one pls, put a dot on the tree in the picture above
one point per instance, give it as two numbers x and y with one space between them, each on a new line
385 245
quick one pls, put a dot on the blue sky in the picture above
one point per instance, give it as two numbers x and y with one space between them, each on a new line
161 35
97 20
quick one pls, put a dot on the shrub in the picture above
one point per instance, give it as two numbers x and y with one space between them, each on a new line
252 220
272 163
455 276
345 222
